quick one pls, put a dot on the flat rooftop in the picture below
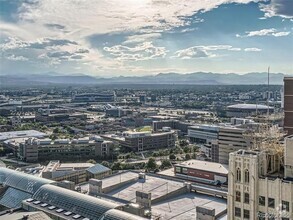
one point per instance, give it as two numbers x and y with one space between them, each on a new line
206 166
18 134
157 186
184 206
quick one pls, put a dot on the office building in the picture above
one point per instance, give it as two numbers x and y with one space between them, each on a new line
257 186
230 139
33 149
204 134
141 141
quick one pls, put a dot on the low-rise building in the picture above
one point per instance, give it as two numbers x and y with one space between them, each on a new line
141 141
75 172
34 149
202 171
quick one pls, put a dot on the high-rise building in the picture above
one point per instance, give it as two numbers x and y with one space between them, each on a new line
258 186
230 139
288 105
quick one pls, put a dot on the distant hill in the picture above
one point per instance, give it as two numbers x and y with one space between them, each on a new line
197 78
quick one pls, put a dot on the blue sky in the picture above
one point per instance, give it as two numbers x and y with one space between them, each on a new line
141 37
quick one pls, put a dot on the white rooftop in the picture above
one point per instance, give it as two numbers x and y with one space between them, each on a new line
206 166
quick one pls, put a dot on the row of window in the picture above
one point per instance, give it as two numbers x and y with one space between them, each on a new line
238 175
269 216
271 203
238 213
238 197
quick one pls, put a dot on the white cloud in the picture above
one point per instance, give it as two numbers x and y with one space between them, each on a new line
281 34
252 49
142 51
282 8
16 58
141 38
264 32
202 51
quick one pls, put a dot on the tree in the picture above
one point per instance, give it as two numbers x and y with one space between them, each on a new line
187 157
183 143
151 164
116 166
186 149
172 157
106 163
91 161
155 154
166 164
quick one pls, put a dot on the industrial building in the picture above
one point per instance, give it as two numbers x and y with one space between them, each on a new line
33 149
141 141
94 97
288 105
245 110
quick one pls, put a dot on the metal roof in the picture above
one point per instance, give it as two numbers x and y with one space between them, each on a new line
98 168
12 198
21 181
249 107
87 206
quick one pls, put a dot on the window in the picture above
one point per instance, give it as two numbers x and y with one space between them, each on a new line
246 198
246 176
238 175
237 212
246 214
285 206
271 202
261 216
178 169
238 196
262 201
184 170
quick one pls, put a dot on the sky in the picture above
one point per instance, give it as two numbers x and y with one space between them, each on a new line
142 37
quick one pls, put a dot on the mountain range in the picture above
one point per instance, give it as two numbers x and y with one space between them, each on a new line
197 78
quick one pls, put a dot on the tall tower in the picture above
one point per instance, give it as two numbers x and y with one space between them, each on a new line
288 105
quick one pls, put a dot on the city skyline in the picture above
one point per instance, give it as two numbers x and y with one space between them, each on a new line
112 38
